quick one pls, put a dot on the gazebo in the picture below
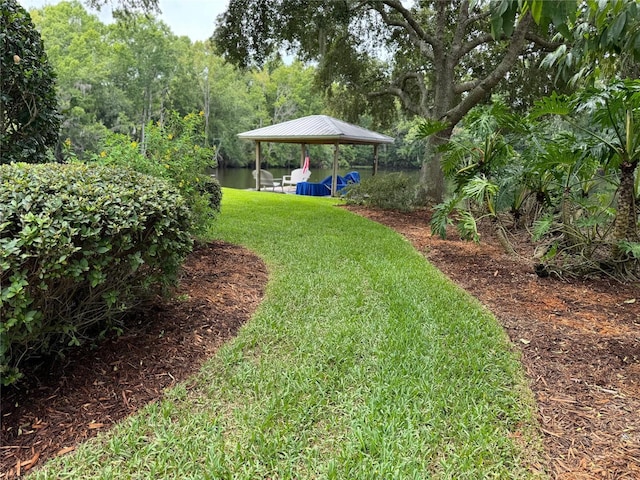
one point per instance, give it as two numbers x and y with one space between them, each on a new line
316 130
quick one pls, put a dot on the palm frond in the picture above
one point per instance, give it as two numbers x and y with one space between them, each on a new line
542 227
428 127
441 217
552 105
630 248
467 226
480 189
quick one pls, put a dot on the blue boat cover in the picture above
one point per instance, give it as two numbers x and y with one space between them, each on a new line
313 189
352 177
340 181
323 188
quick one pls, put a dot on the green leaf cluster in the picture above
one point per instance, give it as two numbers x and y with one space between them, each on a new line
568 172
602 39
79 246
476 160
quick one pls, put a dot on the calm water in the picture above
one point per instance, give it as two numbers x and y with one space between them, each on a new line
242 178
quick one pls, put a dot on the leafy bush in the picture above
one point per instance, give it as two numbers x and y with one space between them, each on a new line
393 191
79 246
29 121
172 151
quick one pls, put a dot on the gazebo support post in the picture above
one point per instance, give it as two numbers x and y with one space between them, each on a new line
375 159
334 180
302 154
257 166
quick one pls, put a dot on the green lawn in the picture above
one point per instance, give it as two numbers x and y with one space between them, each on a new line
363 361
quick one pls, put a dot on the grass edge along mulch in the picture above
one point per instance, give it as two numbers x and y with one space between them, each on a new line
363 361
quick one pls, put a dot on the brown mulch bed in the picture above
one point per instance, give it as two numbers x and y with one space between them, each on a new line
71 400
579 340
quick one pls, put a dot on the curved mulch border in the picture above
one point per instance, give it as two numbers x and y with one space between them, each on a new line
70 400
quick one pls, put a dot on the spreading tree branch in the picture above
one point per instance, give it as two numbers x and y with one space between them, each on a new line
484 86
466 86
543 43
410 20
425 42
404 97
461 24
476 18
473 44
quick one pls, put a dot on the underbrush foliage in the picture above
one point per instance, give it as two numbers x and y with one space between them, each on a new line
393 191
567 173
174 151
79 246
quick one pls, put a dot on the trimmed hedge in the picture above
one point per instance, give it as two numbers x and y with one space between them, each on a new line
79 246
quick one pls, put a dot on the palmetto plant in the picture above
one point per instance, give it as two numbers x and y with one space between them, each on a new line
578 205
610 116
573 174
479 160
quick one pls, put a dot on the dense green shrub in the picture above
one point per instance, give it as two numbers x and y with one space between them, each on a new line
80 245
29 121
392 191
173 151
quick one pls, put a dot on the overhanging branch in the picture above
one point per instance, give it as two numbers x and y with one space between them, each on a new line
461 24
423 45
484 86
466 86
546 45
473 44
410 20
405 20
402 95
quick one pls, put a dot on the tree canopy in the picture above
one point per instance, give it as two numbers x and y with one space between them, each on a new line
437 59
603 41
115 78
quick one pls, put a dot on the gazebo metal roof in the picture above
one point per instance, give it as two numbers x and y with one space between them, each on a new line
316 129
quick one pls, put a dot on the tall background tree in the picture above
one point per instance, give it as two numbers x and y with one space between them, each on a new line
143 66
29 121
77 47
101 68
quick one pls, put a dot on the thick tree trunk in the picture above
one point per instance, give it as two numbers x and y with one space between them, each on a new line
432 181
146 116
625 225
3 128
450 106
431 175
